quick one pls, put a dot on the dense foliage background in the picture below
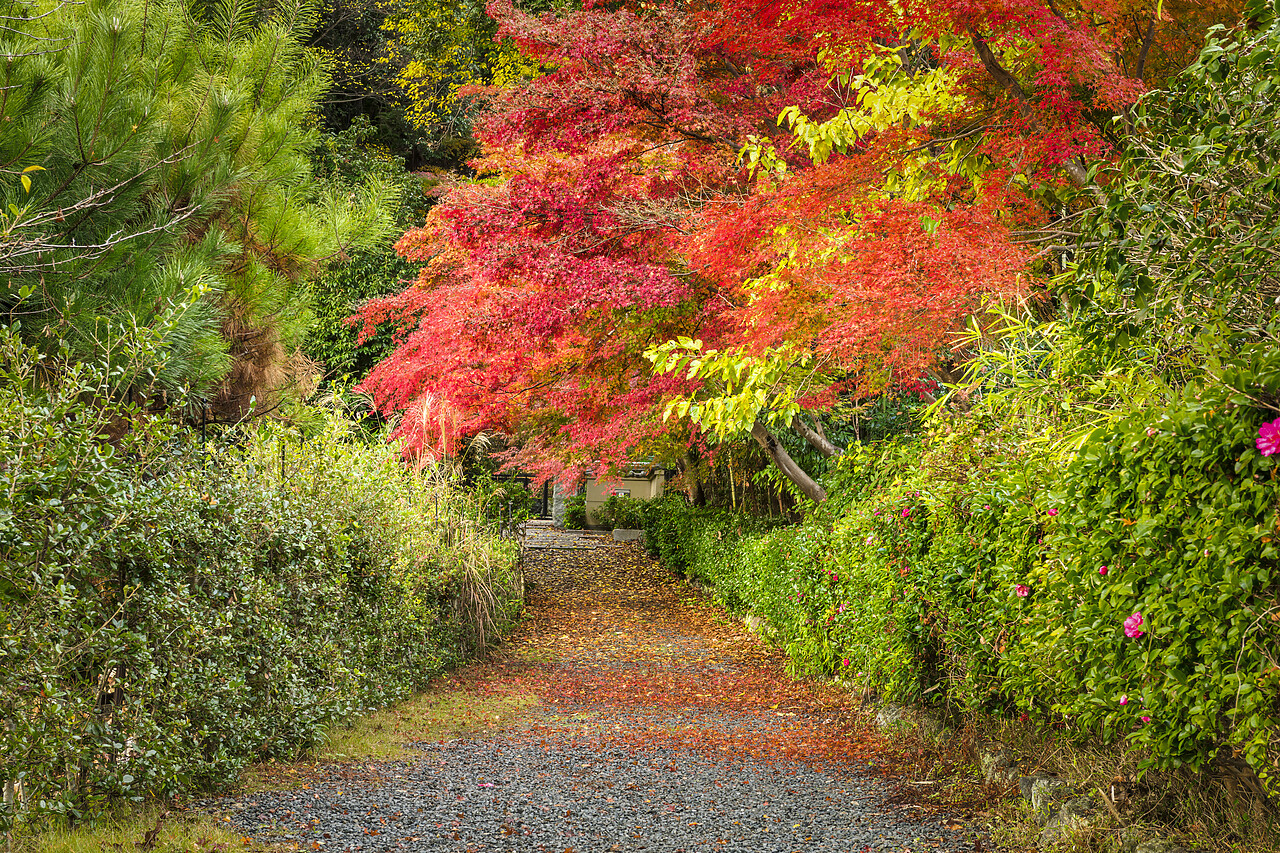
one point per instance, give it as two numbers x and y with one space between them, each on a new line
174 609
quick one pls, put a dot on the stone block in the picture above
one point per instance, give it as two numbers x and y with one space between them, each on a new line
999 767
1025 783
889 714
1071 819
624 534
1046 794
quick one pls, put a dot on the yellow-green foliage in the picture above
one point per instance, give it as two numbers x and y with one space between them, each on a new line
450 45
440 47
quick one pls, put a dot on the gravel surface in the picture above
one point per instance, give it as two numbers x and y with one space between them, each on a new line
564 795
611 759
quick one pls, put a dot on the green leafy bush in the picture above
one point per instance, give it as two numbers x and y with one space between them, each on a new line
966 568
506 501
169 612
1173 516
622 512
575 512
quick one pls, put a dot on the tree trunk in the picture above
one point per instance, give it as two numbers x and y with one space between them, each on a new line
815 437
779 456
695 485
1007 81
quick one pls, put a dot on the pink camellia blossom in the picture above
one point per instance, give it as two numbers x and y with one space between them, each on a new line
1132 627
1146 719
1052 511
1022 590
845 661
1268 441
1102 570
1124 698
906 510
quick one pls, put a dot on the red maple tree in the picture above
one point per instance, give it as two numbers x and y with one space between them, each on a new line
614 211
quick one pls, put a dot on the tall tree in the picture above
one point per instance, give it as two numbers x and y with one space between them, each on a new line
402 64
778 203
166 188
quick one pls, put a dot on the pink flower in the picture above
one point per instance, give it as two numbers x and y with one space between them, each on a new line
845 661
1146 719
1052 511
1132 627
1124 699
841 608
1268 441
906 510
1022 590
1102 570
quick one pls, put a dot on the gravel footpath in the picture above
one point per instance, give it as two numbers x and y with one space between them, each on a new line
586 776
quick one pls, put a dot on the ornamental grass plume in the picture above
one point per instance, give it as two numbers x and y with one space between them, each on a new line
1268 441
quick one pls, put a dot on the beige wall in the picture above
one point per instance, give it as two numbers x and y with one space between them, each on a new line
644 488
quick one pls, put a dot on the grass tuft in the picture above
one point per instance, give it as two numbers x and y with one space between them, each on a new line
147 830
435 715
1210 810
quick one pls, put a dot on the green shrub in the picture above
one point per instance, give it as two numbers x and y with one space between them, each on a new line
622 512
1183 512
169 612
964 568
575 512
506 501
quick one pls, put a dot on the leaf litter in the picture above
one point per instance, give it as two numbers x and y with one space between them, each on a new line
629 685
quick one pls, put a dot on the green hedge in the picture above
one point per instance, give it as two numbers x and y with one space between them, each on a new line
962 569
171 612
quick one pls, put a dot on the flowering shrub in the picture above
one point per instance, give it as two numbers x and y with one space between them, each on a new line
902 583
1184 507
1134 593
1268 440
